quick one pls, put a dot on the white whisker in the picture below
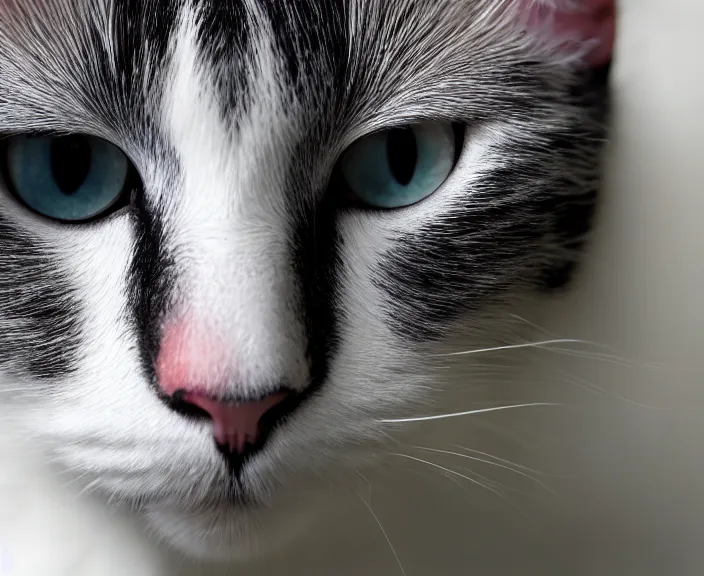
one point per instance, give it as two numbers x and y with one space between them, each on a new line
601 357
533 325
540 344
494 483
388 540
75 479
88 488
550 334
502 466
471 412
369 486
617 356
465 477
502 460
599 391
451 472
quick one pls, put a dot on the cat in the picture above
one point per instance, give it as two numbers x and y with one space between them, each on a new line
236 236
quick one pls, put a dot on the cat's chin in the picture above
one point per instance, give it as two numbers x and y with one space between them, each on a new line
227 535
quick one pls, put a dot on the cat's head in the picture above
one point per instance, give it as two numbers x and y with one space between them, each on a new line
235 235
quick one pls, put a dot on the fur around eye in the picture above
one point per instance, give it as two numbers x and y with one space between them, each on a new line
71 178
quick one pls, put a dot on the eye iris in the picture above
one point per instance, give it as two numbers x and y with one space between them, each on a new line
71 178
401 166
70 162
402 152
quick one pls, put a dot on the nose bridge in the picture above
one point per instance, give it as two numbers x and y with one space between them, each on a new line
237 300
229 227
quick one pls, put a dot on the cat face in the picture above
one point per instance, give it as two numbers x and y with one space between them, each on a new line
235 236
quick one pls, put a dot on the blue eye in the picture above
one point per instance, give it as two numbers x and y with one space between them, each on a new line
402 166
70 178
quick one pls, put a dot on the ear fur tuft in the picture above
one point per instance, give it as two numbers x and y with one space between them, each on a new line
586 27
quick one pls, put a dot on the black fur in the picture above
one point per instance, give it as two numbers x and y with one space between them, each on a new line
521 227
225 36
40 309
152 278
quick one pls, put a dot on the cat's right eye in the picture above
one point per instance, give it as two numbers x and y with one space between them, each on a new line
71 178
399 167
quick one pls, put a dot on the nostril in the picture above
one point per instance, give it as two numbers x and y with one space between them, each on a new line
178 404
235 424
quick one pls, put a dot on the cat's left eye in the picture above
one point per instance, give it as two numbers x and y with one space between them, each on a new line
71 178
402 166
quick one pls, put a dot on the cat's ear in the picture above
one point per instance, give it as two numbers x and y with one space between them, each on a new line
583 27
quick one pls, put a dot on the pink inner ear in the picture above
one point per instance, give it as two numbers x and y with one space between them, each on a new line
588 23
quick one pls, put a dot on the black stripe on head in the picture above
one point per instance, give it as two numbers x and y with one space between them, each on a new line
151 282
311 37
224 37
62 74
522 227
316 263
40 310
122 82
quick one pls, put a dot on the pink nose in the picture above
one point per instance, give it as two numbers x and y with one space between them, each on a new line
190 368
235 425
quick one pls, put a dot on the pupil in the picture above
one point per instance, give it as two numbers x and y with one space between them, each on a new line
402 152
70 162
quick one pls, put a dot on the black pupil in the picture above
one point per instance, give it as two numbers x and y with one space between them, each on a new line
402 151
70 162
